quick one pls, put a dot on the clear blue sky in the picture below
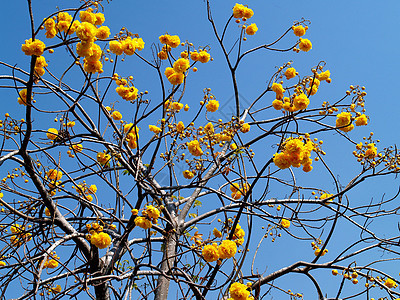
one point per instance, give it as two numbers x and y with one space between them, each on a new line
359 40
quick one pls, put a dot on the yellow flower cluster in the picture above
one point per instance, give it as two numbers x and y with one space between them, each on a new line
35 47
132 136
194 148
103 158
241 11
97 237
212 105
52 261
295 153
343 122
149 216
54 174
239 190
154 129
86 191
361 120
324 76
172 41
390 283
238 291
251 29
127 92
40 65
176 74
285 223
22 97
238 235
19 235
290 73
203 56
188 174
299 30
227 249
52 134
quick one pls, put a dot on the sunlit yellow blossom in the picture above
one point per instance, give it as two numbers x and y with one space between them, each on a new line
299 30
87 16
209 128
371 151
188 174
52 133
99 18
241 11
361 120
245 127
176 78
116 115
227 249
212 105
101 240
86 31
203 56
22 97
181 65
33 48
390 283
54 174
290 73
103 32
277 104
152 212
180 126
217 233
278 89
154 129
251 29
103 158
238 291
305 45
282 160
142 222
194 148
301 101
342 120
324 75
285 223
116 47
210 252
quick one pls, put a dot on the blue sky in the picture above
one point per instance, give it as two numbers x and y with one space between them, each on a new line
358 40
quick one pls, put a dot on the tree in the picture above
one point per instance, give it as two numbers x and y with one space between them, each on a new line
146 196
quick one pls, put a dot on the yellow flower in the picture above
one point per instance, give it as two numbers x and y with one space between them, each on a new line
210 252
99 19
86 31
54 174
238 291
87 16
361 120
343 120
285 223
203 57
101 240
371 151
103 158
176 78
277 104
305 45
390 283
47 212
33 48
142 222
2 263
134 211
194 148
324 75
154 129
181 65
22 97
227 249
51 264
251 29
103 32
217 233
188 174
209 128
180 126
116 47
299 30
282 160
241 11
245 127
116 115
301 101
212 105
290 73
171 40
278 89
152 212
